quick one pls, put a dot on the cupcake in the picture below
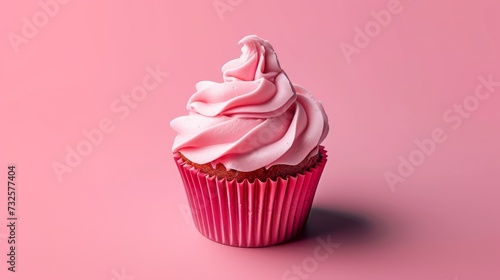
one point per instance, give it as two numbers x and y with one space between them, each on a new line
249 151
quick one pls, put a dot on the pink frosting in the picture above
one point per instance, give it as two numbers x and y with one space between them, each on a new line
255 118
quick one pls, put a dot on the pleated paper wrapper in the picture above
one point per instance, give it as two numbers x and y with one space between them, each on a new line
245 214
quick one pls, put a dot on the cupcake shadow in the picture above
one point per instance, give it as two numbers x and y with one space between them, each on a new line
341 226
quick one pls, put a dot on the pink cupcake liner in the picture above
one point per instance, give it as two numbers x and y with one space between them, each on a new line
248 214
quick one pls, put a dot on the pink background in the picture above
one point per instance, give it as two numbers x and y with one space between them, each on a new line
121 212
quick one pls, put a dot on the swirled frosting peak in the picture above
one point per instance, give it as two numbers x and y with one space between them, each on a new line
255 118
